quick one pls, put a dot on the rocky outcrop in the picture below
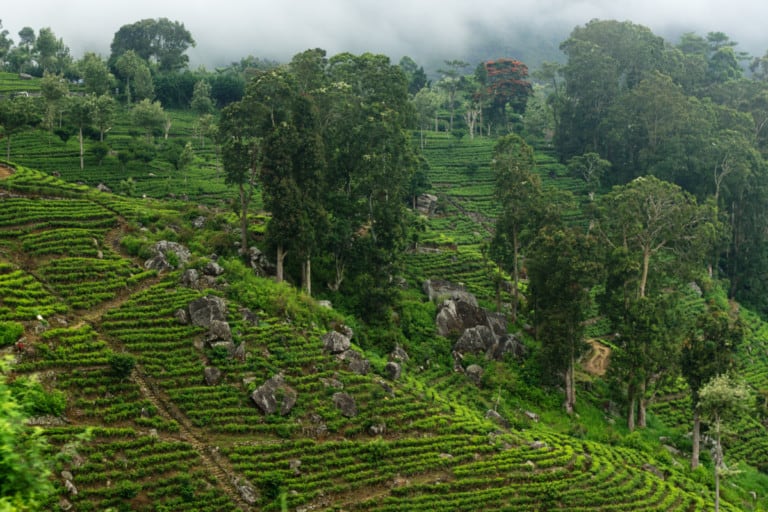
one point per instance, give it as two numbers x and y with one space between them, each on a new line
357 363
167 256
399 354
335 343
212 375
275 395
426 204
439 290
205 310
497 418
338 342
392 370
482 340
203 279
346 404
260 263
475 373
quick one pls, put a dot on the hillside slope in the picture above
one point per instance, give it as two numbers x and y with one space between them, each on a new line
171 437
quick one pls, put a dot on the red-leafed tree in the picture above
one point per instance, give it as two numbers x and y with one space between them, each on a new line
506 83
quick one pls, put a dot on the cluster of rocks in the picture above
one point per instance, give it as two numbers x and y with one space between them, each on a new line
203 279
275 395
338 343
64 503
260 263
162 260
479 331
210 312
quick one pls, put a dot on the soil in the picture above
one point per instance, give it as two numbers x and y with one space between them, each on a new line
5 172
597 360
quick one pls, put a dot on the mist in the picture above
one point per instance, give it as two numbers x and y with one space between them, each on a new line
427 30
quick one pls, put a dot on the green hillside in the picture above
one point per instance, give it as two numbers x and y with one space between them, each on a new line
162 439
153 358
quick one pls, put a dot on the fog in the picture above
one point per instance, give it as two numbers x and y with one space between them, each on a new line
427 30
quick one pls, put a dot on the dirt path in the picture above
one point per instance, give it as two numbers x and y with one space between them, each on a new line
5 172
597 359
213 461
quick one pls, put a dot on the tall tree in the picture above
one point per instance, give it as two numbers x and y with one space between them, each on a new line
605 59
519 193
128 66
654 232
241 156
159 42
5 43
17 114
80 113
52 54
201 98
451 83
507 85
721 402
709 349
561 269
149 116
95 73
54 90
104 107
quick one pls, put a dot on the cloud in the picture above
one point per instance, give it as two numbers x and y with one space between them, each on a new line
226 30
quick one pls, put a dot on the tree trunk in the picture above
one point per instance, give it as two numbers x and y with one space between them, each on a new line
570 391
515 275
718 463
644 277
281 253
632 399
8 147
696 440
80 138
243 220
306 276
642 405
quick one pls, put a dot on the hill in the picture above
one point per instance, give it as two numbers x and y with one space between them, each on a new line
181 431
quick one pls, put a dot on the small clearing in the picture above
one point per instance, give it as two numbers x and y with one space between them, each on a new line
597 360
5 171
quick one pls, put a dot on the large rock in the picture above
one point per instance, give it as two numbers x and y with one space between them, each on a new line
357 363
475 373
509 344
482 340
213 269
219 330
439 290
260 263
346 404
275 395
161 256
455 316
497 418
392 370
212 375
426 204
335 342
399 354
206 309
475 340
189 278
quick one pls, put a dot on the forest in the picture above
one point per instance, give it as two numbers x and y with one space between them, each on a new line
556 277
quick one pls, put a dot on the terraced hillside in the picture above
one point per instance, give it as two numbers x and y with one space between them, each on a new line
173 436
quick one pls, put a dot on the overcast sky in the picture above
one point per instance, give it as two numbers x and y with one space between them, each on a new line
226 30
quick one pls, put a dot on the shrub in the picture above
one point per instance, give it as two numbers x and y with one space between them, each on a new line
36 400
122 364
10 332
